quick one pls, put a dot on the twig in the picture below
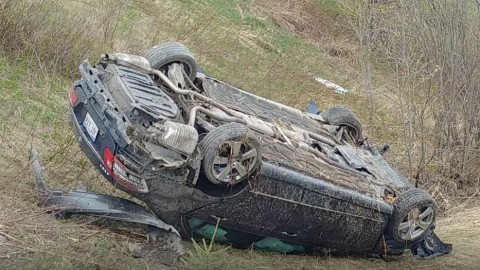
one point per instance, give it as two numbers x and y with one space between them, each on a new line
25 217
53 254
9 237
20 247
462 205
90 235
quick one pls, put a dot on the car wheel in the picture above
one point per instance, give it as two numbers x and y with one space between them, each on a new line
344 117
413 215
232 153
167 53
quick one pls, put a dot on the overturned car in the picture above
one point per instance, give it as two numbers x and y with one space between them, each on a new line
198 151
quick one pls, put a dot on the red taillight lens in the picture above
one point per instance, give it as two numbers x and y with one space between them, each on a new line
122 174
108 159
72 96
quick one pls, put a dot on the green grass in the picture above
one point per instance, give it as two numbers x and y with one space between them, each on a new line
333 8
129 14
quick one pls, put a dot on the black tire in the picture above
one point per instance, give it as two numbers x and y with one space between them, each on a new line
219 143
408 202
167 53
339 116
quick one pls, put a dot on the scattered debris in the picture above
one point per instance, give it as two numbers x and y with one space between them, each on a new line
136 249
151 250
330 85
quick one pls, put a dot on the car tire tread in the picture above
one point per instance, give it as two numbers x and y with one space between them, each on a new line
344 117
170 52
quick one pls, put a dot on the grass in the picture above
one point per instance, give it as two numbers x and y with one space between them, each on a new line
39 55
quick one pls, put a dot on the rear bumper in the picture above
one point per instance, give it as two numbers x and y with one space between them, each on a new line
104 206
87 146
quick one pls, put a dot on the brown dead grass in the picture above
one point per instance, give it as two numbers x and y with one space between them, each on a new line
36 240
299 18
306 20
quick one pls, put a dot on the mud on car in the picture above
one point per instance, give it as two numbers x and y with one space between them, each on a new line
198 151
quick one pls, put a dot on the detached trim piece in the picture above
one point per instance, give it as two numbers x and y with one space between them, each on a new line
430 247
102 205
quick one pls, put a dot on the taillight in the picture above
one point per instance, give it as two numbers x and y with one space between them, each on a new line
108 159
72 99
122 174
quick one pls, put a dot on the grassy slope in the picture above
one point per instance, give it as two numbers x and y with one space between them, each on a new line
232 43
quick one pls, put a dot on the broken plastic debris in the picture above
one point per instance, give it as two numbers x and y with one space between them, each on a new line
330 85
136 249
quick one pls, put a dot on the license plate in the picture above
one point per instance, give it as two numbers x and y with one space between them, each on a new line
91 127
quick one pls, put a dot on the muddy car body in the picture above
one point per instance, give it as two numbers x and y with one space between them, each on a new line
197 151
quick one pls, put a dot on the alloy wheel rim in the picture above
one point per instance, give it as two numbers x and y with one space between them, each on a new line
233 161
416 222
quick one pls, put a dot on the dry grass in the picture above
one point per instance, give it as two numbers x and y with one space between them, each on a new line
38 57
306 20
429 51
54 35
